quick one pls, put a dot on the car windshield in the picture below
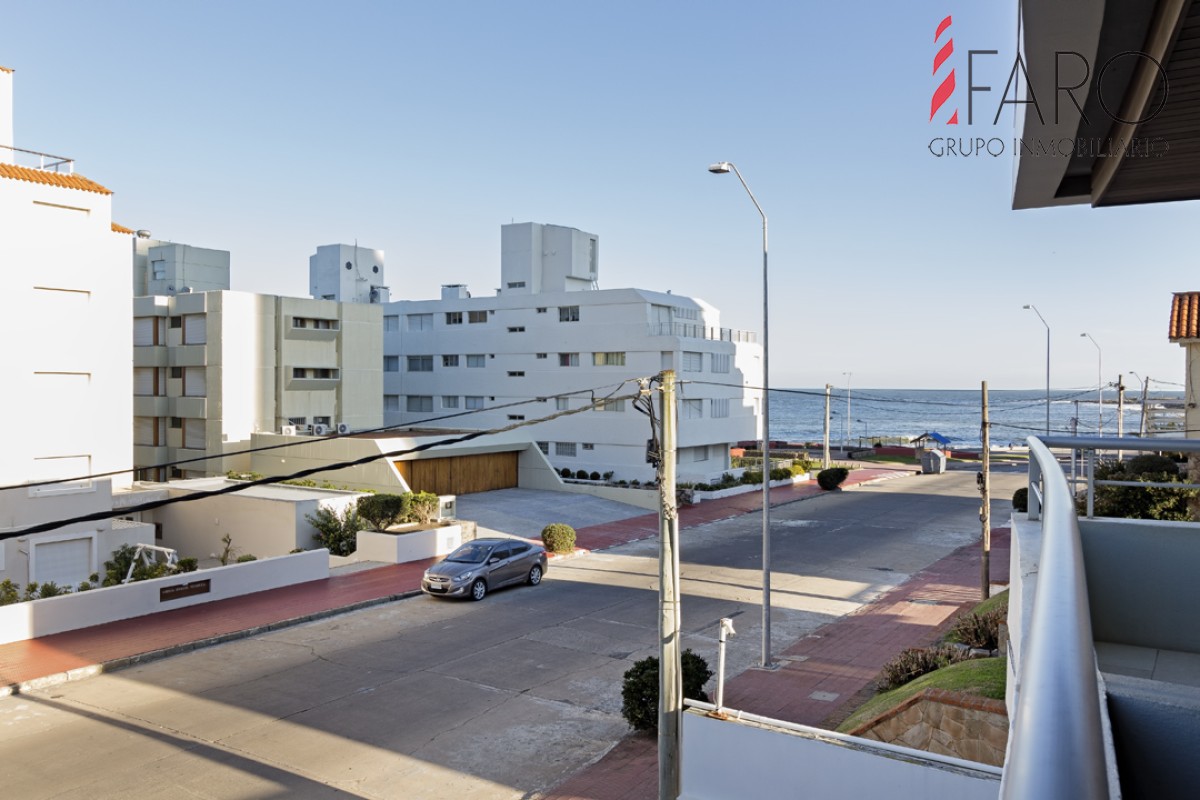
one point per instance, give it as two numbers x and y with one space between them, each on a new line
472 553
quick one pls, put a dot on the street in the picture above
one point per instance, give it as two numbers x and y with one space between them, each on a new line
427 698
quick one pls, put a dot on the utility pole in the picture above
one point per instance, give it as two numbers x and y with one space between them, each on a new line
985 508
670 678
1145 397
1120 411
825 460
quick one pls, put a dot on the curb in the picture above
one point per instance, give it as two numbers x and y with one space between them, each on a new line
91 670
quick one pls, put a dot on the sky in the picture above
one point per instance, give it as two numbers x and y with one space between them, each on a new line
269 128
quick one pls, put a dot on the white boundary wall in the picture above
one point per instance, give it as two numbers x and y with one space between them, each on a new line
21 621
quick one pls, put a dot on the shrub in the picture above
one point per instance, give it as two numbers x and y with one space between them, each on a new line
781 473
384 510
830 479
565 472
1136 502
1020 500
245 557
423 507
84 587
801 465
228 551
9 592
635 483
117 567
31 591
582 474
608 475
750 477
915 662
559 537
639 692
187 565
52 589
980 630
595 476
336 531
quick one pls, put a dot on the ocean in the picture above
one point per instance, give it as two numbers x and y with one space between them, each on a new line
797 415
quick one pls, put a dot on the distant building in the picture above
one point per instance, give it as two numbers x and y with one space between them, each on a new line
463 361
213 368
347 273
167 268
64 319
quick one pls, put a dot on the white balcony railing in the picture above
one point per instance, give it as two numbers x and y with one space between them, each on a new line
36 160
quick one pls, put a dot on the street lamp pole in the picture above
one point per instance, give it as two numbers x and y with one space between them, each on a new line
1043 319
721 168
1099 383
848 375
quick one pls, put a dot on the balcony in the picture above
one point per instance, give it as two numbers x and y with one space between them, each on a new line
35 160
690 330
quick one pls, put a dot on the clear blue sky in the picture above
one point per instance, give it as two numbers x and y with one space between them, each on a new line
268 128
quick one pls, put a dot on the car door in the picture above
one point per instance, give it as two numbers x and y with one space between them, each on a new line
501 567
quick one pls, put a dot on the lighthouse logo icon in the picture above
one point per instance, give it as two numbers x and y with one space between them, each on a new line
945 89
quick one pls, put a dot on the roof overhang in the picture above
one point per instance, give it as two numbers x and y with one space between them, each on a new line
1136 137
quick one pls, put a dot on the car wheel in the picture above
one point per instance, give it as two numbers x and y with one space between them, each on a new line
478 589
535 575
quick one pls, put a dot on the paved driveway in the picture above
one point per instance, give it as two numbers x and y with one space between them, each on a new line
524 512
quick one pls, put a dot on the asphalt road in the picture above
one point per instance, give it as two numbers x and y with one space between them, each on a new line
427 698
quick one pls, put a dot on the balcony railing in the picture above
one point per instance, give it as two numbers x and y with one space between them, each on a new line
36 160
692 330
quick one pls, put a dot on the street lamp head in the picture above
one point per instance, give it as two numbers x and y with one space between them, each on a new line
720 168
1026 306
1083 336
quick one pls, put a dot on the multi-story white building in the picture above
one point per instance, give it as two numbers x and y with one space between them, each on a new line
463 361
67 400
212 368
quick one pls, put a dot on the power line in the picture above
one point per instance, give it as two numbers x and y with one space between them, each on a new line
304 473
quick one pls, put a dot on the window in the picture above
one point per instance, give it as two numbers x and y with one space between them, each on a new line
516 328
315 373
474 317
176 423
516 373
420 363
608 359
700 453
541 310
144 330
516 284
145 381
391 363
391 323
564 449
686 313
326 421
159 267
562 403
420 322
516 417
475 360
693 409
391 402
541 355
544 447
176 322
474 403
195 382
449 361
720 408
568 359
720 362
450 401
299 422
318 324
568 313
176 372
454 318
692 362
589 446
611 405
419 403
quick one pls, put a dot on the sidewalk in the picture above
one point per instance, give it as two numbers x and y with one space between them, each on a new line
48 660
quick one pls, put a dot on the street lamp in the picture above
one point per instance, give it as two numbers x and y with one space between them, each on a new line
1043 319
721 168
1099 383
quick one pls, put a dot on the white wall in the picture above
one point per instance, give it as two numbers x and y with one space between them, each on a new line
731 760
330 279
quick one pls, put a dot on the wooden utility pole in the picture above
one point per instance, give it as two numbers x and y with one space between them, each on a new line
825 460
670 678
1145 397
985 508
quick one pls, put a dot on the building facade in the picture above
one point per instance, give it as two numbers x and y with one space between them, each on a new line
551 341
210 369
64 318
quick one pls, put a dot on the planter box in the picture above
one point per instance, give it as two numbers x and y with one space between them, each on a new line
398 547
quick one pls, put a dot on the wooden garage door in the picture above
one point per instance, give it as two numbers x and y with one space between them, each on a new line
461 474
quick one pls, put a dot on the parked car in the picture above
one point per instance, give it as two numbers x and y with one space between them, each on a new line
478 567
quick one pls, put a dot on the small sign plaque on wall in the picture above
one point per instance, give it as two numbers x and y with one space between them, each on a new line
181 590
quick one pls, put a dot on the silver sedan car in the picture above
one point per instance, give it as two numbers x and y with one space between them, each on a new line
477 567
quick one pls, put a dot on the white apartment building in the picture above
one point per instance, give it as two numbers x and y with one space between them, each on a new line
64 319
210 369
463 361
168 268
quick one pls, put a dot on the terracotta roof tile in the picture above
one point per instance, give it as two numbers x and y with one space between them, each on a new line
121 229
51 178
1185 316
5 69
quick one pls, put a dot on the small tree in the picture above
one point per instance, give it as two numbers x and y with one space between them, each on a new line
9 592
336 531
639 692
382 511
422 507
559 537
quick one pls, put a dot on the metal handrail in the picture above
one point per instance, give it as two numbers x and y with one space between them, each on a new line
1057 748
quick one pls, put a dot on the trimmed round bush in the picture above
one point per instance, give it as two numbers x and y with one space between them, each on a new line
595 476
1020 499
582 474
830 479
558 537
639 692
565 472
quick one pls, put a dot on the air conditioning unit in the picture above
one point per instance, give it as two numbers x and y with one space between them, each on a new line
288 430
343 429
320 430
